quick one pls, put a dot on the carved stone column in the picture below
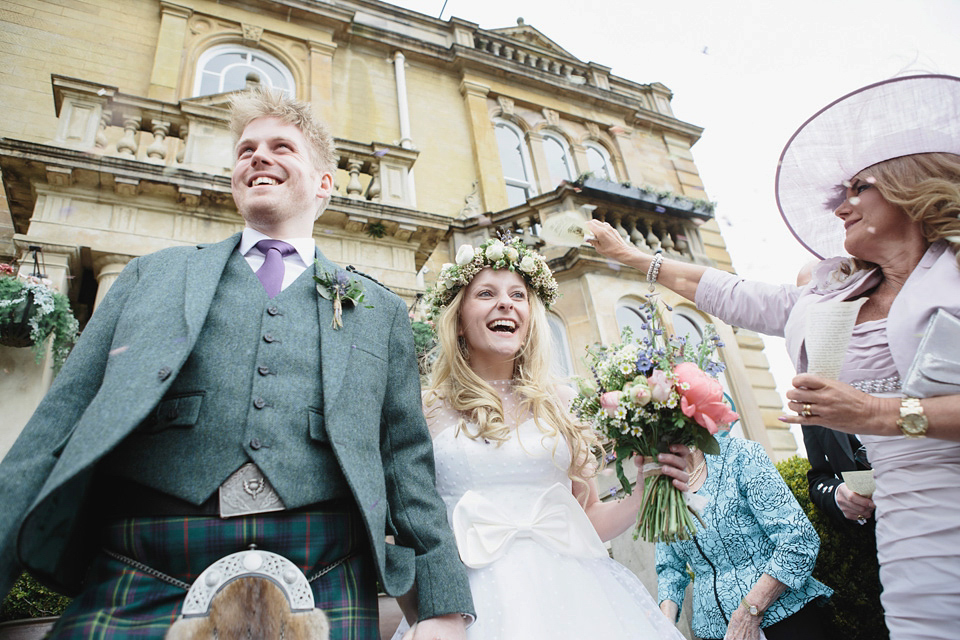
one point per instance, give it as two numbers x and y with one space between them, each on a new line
107 268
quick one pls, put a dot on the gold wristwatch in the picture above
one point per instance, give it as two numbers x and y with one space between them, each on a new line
912 422
752 609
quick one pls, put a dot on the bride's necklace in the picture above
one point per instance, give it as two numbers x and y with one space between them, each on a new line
697 472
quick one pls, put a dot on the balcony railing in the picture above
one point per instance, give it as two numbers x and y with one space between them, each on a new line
194 135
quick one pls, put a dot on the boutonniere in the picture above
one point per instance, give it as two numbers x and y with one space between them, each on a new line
340 288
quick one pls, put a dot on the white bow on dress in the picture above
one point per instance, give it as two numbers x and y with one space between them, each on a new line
557 521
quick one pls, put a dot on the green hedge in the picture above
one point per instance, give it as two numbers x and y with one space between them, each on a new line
847 563
30 599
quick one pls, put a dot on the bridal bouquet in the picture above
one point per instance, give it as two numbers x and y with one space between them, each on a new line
648 394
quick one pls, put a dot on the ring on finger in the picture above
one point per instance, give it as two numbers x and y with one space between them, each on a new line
806 413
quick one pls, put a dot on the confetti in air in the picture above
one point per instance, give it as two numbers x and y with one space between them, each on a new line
118 350
380 153
855 200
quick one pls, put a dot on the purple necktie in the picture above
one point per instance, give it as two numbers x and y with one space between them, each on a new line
271 273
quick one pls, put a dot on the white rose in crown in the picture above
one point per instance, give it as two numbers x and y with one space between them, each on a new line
495 251
464 254
528 264
512 254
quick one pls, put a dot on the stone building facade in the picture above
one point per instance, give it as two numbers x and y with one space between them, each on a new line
114 144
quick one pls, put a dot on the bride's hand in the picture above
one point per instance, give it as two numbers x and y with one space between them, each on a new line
675 465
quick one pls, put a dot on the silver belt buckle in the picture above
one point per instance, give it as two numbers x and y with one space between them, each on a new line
246 492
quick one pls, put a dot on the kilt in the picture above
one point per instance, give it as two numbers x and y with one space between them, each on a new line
119 601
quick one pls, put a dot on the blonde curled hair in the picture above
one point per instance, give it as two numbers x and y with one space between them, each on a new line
261 102
453 382
927 187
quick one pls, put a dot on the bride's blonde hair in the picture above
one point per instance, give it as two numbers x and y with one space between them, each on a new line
452 381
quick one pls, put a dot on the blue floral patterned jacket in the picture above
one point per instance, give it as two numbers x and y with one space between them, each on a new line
754 526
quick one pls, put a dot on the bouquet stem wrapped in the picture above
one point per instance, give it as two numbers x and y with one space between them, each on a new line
647 395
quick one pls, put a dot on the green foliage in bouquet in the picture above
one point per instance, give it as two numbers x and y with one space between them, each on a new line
847 563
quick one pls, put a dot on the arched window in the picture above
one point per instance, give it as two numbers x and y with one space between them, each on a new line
559 162
229 67
516 163
563 363
628 314
598 161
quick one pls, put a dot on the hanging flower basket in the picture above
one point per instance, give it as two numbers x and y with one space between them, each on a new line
15 327
31 311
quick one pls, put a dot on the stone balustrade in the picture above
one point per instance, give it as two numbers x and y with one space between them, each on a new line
533 58
194 135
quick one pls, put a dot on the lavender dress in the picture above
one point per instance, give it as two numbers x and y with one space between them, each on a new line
918 479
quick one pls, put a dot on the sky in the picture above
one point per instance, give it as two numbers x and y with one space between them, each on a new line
749 72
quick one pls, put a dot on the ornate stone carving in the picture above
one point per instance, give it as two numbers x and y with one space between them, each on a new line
506 105
251 33
471 206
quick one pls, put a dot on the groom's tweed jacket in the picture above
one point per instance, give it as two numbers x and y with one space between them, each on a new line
131 355
267 406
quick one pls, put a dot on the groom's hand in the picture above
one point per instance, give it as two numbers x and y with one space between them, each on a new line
448 627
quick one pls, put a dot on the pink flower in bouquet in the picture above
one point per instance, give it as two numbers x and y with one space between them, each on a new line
610 401
638 392
701 397
660 386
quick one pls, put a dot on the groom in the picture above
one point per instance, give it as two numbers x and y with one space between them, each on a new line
211 404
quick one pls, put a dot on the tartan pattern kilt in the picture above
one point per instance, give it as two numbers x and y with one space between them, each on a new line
118 601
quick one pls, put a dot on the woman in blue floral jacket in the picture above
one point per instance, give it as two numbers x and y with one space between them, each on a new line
752 562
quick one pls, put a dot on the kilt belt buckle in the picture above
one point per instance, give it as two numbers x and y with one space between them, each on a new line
247 492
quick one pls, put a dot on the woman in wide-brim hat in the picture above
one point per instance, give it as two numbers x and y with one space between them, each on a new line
874 180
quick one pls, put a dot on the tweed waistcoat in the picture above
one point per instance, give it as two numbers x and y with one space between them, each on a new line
250 390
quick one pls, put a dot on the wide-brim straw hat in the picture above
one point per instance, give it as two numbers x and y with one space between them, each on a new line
897 117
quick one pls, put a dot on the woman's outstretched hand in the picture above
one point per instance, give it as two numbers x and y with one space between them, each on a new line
610 244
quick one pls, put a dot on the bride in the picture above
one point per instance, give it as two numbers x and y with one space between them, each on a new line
516 470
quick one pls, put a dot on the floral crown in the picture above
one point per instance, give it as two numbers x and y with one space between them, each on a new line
495 253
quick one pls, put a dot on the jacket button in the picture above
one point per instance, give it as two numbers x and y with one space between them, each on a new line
273 310
263 370
255 444
164 373
259 403
268 337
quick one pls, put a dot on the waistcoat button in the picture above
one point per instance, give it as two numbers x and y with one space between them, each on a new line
263 370
255 444
259 403
268 337
164 373
273 310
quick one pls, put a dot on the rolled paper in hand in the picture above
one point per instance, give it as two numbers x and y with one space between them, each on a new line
566 229
829 327
860 482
